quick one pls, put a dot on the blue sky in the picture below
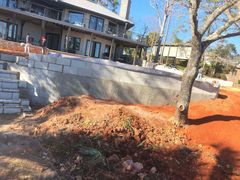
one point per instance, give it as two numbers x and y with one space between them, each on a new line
142 13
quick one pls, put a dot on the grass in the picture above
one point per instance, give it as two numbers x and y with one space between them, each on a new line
128 124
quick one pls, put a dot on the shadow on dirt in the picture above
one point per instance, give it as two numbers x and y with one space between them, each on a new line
227 165
213 118
97 157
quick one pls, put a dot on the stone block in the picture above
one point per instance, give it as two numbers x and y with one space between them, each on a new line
41 65
11 110
70 70
15 95
49 59
78 63
8 75
25 102
22 84
9 85
35 57
6 95
22 61
55 67
31 63
63 61
8 58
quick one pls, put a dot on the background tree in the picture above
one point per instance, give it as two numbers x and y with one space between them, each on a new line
152 39
210 21
111 4
163 10
224 50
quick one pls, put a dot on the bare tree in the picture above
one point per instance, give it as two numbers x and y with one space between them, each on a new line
210 21
162 15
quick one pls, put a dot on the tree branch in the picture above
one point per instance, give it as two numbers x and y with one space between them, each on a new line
223 28
193 16
206 43
216 13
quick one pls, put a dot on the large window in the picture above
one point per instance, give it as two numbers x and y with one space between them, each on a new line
51 13
73 44
37 9
76 18
8 3
8 31
93 50
112 28
96 23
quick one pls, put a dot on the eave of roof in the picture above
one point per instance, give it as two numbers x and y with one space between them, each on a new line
96 8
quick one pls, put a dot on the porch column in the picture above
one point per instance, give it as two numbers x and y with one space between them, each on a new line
15 22
90 48
125 30
43 24
135 55
67 38
21 30
111 50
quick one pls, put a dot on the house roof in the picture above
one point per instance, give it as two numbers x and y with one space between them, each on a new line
94 7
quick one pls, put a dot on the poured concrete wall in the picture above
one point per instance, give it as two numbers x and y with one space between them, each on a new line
50 78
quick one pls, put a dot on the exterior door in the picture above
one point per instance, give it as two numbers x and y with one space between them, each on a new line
52 41
95 49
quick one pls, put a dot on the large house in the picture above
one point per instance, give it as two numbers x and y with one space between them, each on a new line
77 26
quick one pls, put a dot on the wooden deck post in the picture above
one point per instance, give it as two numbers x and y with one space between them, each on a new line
135 55
67 38
111 50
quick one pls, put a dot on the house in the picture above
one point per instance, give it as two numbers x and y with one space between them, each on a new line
180 51
76 26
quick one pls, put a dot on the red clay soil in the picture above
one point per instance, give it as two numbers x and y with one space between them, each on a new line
208 148
15 48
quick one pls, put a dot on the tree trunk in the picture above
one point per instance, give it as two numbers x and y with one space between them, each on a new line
188 79
158 49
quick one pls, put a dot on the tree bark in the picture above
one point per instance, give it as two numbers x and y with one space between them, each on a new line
188 79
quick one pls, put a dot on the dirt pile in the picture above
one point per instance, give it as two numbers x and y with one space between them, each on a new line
94 139
113 135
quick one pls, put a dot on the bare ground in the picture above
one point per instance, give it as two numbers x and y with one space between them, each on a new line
21 155
85 138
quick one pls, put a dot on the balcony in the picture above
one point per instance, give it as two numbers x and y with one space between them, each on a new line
33 8
107 28
96 25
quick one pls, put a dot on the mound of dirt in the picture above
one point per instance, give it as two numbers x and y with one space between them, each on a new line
116 133
95 139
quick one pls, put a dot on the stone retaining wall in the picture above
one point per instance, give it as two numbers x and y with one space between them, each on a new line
51 77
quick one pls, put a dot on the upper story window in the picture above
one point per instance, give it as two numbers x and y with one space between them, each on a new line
96 23
37 9
76 18
112 28
8 3
51 13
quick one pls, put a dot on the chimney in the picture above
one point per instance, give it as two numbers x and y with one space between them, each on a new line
125 9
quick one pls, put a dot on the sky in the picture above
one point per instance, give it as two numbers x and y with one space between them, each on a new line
142 13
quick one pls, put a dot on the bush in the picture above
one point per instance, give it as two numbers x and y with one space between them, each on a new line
223 76
238 81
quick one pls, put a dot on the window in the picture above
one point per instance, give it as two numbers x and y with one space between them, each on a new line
95 49
73 44
51 13
8 3
3 29
12 3
107 51
76 18
112 28
37 9
96 23
8 31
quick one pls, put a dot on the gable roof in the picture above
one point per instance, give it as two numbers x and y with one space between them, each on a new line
96 8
